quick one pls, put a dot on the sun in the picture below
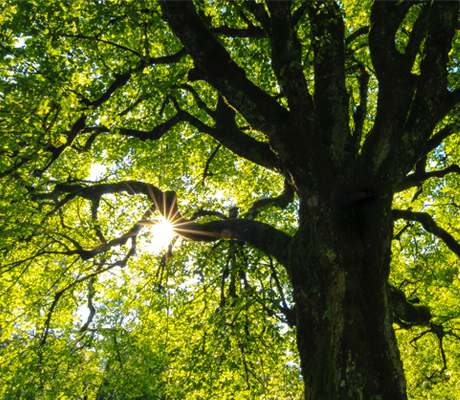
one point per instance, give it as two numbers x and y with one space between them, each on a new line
160 234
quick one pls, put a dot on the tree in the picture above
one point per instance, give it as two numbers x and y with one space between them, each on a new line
305 154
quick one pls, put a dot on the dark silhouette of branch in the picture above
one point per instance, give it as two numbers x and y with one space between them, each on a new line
407 314
416 179
206 171
429 225
281 201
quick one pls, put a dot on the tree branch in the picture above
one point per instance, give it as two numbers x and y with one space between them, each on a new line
416 179
227 133
396 84
416 36
282 201
361 31
359 115
214 64
429 225
328 45
262 236
287 61
439 137
406 313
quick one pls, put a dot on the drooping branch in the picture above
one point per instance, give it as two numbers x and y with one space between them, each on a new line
429 225
57 295
92 309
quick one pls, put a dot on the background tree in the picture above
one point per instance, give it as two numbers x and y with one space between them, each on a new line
305 153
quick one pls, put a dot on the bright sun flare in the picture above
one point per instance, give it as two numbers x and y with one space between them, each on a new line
160 235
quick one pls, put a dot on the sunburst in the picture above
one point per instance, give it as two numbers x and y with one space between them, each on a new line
161 234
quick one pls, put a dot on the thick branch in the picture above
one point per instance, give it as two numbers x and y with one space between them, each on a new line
331 98
361 31
429 104
287 61
429 225
262 236
416 36
226 132
230 136
396 84
439 137
214 64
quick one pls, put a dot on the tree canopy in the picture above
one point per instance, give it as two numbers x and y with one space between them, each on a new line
229 199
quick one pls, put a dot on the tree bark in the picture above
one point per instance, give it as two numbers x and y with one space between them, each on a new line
340 264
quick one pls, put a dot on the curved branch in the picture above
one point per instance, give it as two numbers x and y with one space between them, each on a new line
77 127
206 171
282 201
416 36
429 225
287 61
226 132
201 104
416 179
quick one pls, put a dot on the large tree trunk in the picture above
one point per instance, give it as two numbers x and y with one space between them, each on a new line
340 262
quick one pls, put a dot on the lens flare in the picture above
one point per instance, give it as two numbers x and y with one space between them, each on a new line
161 234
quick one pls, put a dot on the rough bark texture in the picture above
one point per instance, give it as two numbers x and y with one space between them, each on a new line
340 262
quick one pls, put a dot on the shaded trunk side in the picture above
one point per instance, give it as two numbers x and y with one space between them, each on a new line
340 260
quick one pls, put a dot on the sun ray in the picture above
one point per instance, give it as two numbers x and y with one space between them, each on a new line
161 234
